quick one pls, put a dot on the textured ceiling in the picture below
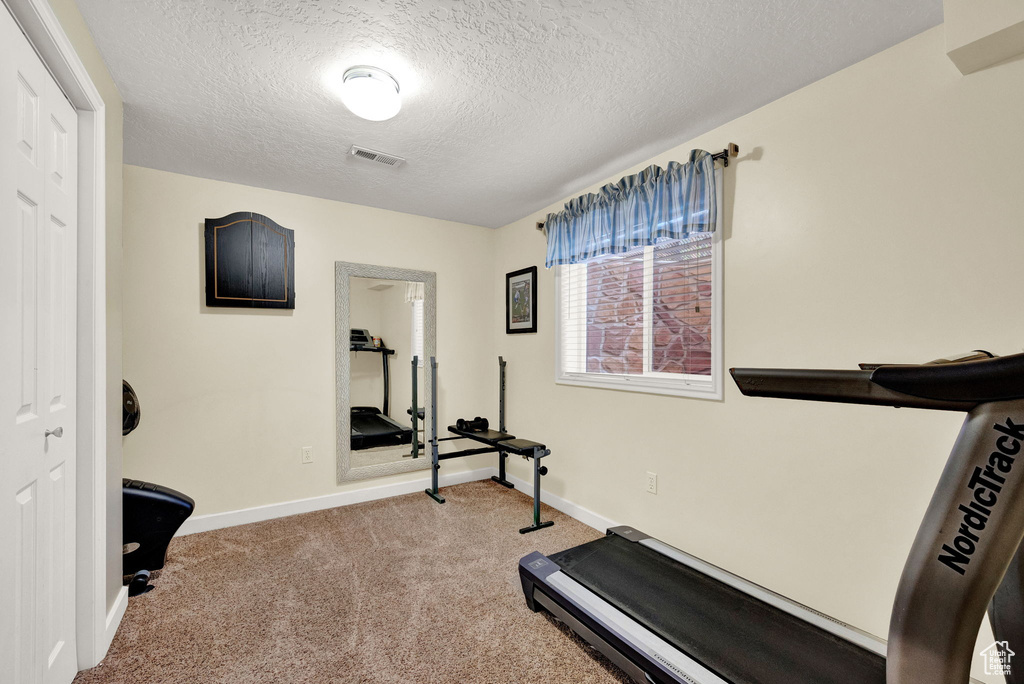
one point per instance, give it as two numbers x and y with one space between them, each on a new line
508 105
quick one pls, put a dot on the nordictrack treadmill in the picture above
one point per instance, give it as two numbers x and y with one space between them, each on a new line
665 616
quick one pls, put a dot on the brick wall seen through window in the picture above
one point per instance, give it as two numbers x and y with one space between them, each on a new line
680 289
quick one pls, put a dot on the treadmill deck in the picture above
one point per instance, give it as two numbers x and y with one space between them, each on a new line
737 636
375 430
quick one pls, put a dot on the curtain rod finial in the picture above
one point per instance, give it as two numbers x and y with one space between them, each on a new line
733 150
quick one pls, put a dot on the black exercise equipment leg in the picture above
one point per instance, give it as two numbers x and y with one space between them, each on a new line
435 466
414 410
432 492
436 497
500 477
435 462
139 583
537 524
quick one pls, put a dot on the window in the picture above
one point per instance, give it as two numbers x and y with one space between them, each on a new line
647 320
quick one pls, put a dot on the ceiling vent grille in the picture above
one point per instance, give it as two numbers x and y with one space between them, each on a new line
376 157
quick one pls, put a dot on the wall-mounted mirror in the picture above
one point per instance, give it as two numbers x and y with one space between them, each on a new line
384 318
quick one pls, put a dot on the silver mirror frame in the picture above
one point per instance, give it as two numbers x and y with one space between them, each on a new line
344 270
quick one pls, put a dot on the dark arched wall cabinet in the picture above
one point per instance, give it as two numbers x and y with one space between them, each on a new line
250 262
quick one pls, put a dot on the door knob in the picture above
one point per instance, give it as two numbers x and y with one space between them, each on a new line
56 432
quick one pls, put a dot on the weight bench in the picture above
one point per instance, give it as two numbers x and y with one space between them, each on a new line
504 444
495 440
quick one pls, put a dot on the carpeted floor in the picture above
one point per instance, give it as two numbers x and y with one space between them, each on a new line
400 590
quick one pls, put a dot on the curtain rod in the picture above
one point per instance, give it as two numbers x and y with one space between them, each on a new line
732 150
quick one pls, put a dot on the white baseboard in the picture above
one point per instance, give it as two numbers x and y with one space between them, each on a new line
584 515
215 521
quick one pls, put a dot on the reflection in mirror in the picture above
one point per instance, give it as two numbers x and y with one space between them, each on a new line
385 317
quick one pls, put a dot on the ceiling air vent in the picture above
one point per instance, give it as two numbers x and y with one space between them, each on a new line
375 156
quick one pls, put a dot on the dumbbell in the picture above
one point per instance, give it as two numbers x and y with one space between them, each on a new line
478 424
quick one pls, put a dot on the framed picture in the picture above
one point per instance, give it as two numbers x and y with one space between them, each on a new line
521 301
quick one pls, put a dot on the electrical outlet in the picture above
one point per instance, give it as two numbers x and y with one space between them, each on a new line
652 483
307 454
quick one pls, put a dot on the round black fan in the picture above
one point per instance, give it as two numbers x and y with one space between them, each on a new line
130 413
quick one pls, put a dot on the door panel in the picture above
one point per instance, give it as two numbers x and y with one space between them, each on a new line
26 668
38 214
27 278
57 358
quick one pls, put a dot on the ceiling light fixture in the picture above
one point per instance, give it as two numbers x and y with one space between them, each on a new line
370 93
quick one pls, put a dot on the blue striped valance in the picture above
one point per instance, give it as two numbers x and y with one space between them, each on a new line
636 211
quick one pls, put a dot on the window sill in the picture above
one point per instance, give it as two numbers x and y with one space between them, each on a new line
710 390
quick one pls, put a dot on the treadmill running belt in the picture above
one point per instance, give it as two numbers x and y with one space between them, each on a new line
743 639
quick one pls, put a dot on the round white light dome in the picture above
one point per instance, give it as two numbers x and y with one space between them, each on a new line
370 93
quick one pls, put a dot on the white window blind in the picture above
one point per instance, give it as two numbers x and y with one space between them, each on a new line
647 320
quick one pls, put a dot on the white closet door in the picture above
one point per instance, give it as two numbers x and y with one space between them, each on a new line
38 210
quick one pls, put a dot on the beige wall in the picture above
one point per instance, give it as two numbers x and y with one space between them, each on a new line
229 396
872 216
78 33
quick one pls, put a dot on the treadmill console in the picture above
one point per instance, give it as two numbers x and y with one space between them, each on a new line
360 339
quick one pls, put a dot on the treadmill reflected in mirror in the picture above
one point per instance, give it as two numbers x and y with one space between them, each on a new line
372 426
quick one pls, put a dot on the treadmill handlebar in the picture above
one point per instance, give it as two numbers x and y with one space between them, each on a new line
843 386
